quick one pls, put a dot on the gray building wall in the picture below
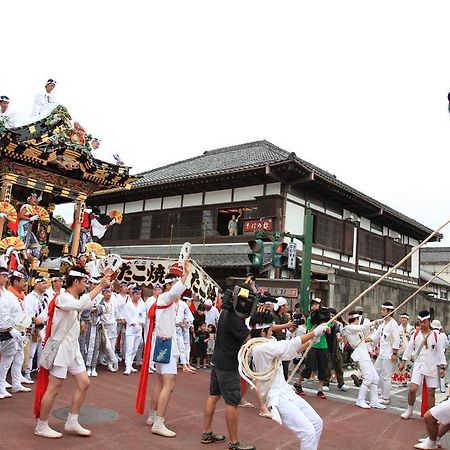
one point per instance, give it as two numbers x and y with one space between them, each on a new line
347 286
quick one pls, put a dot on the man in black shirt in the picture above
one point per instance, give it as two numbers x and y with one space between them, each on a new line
225 380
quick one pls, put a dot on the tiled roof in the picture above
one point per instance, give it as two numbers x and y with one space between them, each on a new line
427 276
430 255
213 162
253 155
207 256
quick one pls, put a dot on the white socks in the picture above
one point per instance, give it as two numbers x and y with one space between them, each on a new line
72 419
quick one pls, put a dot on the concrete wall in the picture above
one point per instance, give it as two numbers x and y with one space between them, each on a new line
347 286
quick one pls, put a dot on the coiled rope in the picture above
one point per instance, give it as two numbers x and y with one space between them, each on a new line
245 369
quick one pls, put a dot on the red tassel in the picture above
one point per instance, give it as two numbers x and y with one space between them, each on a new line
143 379
243 386
424 407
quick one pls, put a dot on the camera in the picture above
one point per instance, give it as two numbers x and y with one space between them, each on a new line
321 315
243 301
297 319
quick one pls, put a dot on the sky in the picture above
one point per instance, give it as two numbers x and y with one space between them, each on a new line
357 88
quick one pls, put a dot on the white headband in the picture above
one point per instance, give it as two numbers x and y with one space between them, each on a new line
354 316
75 273
387 306
424 318
404 315
18 274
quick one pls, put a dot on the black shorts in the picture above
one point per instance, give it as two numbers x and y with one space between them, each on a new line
317 358
227 384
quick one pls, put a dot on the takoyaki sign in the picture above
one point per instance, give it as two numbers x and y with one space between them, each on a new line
150 271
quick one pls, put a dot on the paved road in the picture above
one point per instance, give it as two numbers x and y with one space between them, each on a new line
345 426
397 402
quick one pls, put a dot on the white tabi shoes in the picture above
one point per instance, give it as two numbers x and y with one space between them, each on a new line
438 441
377 405
20 388
408 413
151 418
42 429
362 405
24 380
427 444
4 394
159 428
72 426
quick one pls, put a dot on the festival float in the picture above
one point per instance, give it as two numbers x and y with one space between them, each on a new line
44 164
50 162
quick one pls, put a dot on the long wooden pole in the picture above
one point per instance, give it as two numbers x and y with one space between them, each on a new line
78 218
409 298
370 288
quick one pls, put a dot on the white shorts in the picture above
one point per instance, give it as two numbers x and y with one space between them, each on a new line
167 369
417 378
441 412
73 369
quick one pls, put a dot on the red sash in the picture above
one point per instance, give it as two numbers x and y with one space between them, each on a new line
143 379
43 374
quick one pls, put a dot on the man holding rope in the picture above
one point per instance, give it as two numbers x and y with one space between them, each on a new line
287 408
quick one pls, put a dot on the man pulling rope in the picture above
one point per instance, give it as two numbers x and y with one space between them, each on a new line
266 355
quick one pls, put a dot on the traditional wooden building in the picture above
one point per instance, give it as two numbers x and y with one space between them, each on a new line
356 238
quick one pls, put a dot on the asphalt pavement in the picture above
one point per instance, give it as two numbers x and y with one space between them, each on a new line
109 413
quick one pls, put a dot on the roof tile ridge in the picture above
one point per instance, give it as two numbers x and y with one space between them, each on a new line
233 147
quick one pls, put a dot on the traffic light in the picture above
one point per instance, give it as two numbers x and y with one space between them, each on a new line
277 255
257 255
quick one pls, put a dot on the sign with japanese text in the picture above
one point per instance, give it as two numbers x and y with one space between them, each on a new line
150 271
250 226
292 255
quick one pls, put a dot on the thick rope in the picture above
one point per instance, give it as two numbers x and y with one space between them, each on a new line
246 372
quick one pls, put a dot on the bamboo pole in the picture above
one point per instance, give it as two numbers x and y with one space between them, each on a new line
370 288
421 288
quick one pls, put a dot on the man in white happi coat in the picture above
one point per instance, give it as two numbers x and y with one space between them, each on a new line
120 299
437 327
211 313
45 100
109 324
387 337
18 284
7 116
286 407
165 328
186 330
183 321
406 331
36 306
66 330
157 291
134 314
355 335
10 338
428 353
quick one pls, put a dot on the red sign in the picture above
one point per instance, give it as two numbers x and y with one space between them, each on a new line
257 225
